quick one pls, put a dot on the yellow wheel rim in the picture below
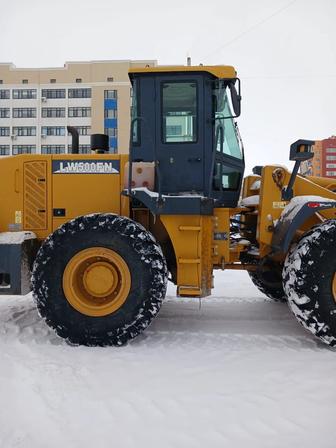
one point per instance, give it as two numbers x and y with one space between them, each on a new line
96 281
334 286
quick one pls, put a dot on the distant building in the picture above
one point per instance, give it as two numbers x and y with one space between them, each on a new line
37 104
323 164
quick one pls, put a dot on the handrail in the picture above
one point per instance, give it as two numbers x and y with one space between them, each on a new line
220 131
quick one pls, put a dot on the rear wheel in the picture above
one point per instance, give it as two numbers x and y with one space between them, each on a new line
310 281
99 280
268 279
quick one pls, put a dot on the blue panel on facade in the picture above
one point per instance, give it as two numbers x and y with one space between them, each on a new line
113 142
110 123
110 104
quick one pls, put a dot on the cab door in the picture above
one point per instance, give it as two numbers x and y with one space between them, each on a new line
179 133
229 164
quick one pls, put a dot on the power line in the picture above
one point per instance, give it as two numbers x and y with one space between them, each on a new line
252 28
313 76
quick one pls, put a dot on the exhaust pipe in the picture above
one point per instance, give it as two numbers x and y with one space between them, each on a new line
74 139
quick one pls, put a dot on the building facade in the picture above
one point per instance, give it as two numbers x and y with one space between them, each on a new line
36 106
323 164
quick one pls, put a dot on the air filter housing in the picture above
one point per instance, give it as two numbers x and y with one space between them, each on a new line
100 143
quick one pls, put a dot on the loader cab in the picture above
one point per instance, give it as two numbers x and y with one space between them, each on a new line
182 119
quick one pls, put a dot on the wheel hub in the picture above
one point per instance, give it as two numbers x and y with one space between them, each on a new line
100 279
96 281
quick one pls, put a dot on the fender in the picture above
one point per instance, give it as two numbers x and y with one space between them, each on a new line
294 216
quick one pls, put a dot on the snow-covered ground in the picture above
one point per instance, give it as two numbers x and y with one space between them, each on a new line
238 371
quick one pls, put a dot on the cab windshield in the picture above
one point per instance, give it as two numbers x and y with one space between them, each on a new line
227 139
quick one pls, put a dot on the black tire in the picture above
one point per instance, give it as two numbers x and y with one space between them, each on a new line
146 264
308 276
268 279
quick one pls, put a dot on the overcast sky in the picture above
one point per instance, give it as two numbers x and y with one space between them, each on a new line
284 52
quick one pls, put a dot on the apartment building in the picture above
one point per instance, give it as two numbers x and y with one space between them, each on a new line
323 164
36 106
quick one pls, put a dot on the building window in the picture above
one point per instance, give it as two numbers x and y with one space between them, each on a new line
25 81
52 81
53 149
4 131
109 79
331 173
53 93
110 94
24 94
331 165
1 81
4 150
4 112
24 112
179 109
331 150
110 113
23 149
79 112
53 112
79 93
111 132
83 149
53 130
24 131
4 94
331 157
174 131
78 79
83 130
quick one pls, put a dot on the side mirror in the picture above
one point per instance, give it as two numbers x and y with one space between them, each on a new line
301 150
235 97
226 98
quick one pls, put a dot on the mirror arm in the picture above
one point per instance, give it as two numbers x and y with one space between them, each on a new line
287 192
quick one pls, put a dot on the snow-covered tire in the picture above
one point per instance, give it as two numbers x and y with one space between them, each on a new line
269 282
309 278
140 253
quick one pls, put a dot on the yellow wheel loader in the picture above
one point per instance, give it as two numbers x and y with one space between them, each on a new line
100 234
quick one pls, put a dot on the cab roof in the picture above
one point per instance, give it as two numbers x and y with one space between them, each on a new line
219 71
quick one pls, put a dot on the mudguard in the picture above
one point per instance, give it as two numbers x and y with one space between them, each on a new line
294 215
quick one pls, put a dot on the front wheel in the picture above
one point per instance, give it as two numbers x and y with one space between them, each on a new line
99 280
309 278
268 279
